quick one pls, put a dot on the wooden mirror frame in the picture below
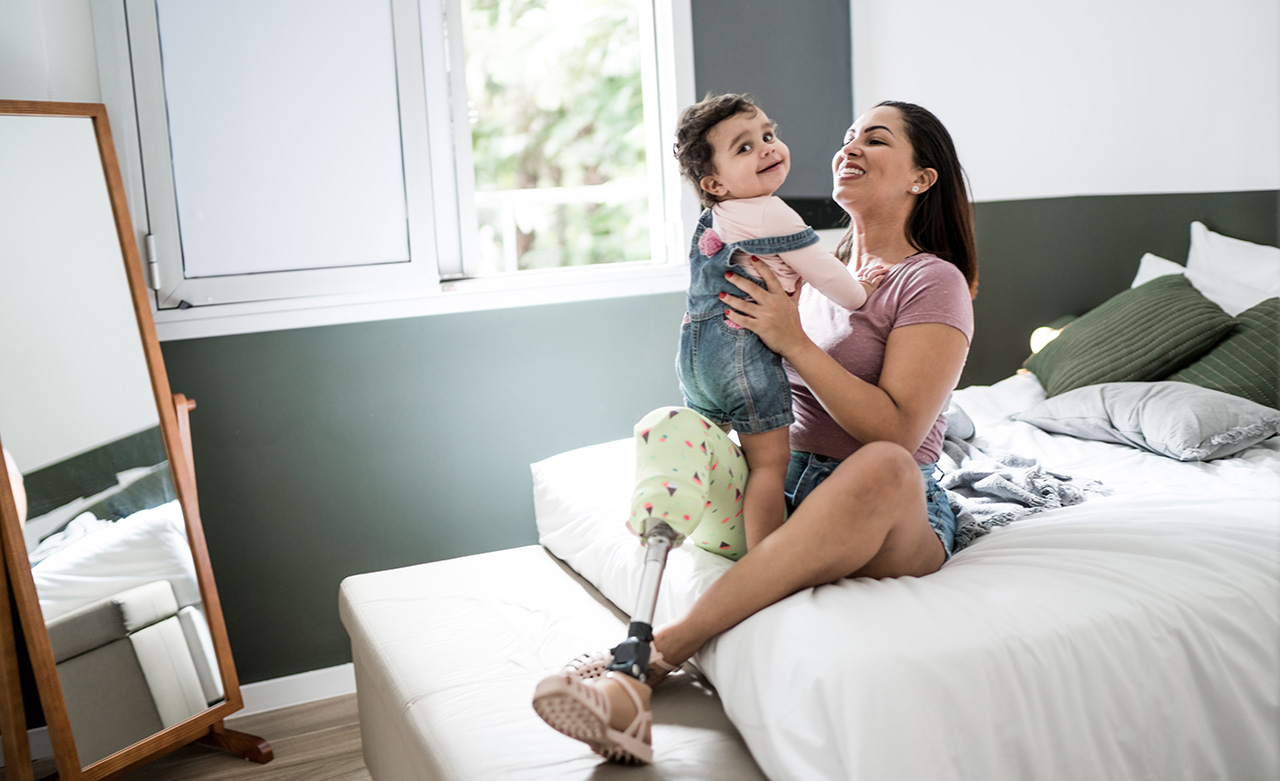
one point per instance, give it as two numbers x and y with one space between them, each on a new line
206 726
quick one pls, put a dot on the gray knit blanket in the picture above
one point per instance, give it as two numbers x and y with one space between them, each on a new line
994 489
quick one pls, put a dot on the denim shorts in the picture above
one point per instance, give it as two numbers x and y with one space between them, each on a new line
807 470
727 375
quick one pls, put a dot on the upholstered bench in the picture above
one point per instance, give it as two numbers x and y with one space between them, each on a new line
447 655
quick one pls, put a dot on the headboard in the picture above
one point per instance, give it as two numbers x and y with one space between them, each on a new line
94 473
1043 259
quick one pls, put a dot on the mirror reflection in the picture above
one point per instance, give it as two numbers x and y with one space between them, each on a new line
104 531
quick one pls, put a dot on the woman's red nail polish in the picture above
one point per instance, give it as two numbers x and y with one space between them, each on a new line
728 311
728 274
722 296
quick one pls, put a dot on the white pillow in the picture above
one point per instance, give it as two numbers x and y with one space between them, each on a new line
1240 272
146 546
1152 266
1233 297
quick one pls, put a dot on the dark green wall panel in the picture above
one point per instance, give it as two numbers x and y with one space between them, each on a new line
330 451
1041 259
795 59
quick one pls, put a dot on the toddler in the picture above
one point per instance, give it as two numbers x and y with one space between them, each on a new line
729 150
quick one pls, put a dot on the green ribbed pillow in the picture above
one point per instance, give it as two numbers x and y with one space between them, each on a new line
1247 362
1144 333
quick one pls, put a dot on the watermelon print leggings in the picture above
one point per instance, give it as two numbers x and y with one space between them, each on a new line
691 475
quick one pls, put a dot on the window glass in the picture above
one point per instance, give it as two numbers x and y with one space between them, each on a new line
556 117
284 134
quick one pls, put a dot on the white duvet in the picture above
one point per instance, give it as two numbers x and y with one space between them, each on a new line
1135 636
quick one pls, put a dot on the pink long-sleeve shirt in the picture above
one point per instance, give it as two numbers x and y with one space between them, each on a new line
769 215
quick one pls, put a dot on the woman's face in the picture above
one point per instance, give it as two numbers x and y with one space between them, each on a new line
876 164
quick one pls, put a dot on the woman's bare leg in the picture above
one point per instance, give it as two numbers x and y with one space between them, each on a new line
868 518
765 503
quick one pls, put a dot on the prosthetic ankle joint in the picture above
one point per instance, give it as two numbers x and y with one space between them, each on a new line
631 656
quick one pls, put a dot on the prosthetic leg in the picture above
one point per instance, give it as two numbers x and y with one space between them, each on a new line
689 479
631 656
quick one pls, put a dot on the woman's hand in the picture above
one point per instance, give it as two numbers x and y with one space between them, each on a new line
772 315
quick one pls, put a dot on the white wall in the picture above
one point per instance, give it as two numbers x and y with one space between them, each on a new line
47 51
1044 98
1087 97
76 374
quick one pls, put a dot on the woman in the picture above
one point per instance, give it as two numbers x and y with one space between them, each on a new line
869 389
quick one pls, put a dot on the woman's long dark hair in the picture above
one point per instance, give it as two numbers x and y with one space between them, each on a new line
942 220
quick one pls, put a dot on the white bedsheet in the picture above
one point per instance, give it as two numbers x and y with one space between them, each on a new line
1135 636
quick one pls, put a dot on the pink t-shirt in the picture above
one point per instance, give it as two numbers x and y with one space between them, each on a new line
922 289
769 215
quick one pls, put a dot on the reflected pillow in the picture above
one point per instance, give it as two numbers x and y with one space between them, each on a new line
113 557
1143 333
1174 419
1247 362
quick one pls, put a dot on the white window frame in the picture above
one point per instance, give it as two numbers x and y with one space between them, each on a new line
441 225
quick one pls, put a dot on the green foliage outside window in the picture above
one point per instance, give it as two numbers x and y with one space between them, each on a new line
556 102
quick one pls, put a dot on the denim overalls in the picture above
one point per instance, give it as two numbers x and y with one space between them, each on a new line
726 373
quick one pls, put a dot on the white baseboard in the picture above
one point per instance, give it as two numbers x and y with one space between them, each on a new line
297 689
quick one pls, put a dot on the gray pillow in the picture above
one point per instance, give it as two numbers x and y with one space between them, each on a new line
1174 419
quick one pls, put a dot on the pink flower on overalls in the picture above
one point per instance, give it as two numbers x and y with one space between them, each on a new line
710 243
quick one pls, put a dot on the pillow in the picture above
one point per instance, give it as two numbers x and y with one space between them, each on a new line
1173 419
1143 333
1221 265
1247 362
146 546
1152 266
1234 298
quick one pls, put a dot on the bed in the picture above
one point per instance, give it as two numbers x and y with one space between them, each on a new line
1134 634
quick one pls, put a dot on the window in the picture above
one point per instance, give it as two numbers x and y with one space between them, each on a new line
357 159
555 117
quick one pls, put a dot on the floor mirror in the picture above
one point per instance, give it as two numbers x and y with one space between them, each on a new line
103 546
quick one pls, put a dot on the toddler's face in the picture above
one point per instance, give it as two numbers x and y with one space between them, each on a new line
749 158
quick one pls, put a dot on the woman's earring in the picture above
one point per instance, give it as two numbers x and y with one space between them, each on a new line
915 188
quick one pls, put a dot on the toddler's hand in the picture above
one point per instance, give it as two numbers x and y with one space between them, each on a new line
870 277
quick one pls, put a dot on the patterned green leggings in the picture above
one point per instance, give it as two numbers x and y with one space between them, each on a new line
691 475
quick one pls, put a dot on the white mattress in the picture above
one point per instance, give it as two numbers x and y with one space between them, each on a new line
1134 636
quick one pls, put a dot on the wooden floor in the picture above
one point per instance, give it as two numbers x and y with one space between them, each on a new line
318 741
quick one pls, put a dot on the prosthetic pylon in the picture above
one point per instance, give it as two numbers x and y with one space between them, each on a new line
631 656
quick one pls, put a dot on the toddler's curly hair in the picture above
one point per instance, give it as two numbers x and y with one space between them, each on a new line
692 150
